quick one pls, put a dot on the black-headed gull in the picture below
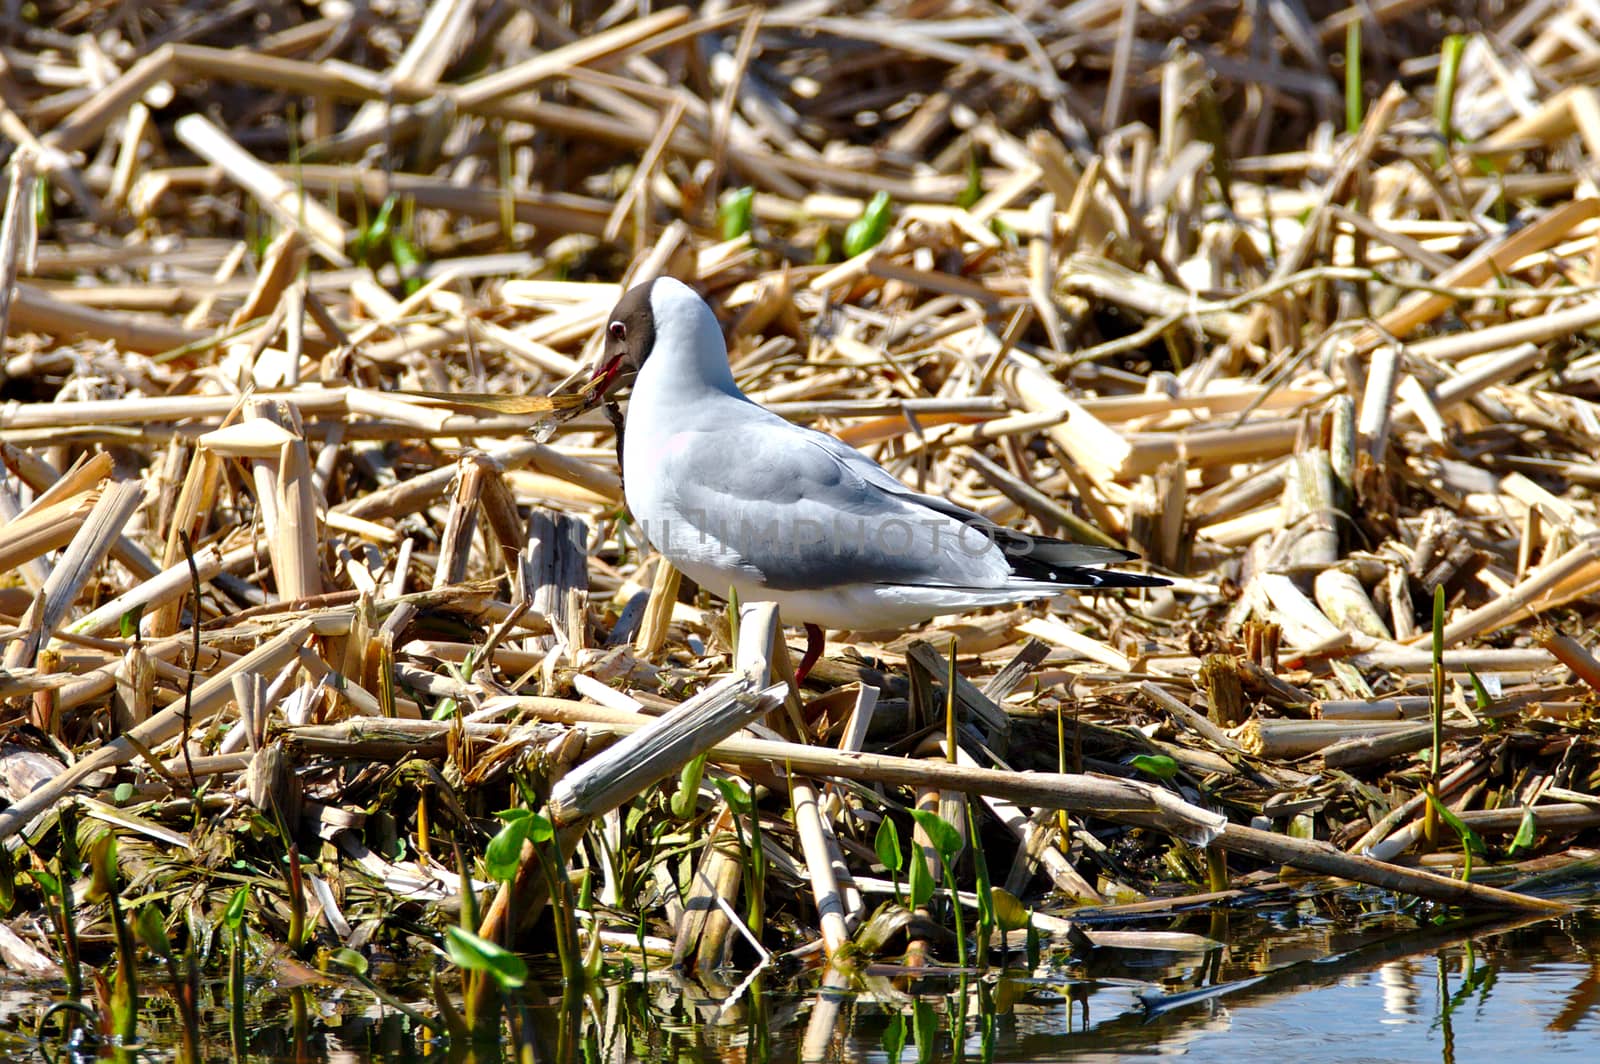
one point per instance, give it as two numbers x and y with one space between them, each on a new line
737 497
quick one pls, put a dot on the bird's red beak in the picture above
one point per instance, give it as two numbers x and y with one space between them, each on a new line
601 382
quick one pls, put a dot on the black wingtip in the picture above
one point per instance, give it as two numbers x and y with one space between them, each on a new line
1048 560
1043 568
1107 578
1080 576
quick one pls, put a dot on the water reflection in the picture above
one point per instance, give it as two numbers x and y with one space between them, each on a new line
1331 983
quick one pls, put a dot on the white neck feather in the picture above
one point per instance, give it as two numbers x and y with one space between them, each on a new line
689 353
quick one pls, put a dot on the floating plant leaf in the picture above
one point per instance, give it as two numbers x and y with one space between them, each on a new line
478 954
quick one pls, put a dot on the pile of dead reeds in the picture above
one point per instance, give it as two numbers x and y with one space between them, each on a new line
1301 310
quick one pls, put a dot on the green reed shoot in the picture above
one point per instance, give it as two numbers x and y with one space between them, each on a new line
294 879
1527 832
894 1038
522 828
869 230
1216 868
988 1020
66 932
67 866
946 841
1354 105
686 799
736 212
1444 95
8 881
919 882
491 970
987 921
1009 915
373 235
925 1025
184 985
1471 842
973 192
743 805
124 998
233 918
1430 824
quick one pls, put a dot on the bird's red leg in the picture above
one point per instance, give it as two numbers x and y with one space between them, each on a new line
814 643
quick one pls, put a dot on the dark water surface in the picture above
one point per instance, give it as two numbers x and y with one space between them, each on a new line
1318 980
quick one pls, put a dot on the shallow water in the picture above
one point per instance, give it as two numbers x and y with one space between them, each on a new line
1317 980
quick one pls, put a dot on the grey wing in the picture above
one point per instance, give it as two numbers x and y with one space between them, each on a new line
1045 549
766 498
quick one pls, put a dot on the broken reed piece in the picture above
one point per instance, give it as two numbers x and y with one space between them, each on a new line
1122 800
623 770
704 930
88 548
1272 687
1346 603
1315 856
193 711
1190 719
1570 653
1219 677
290 206
44 529
1310 509
1294 613
1377 400
1481 267
658 609
761 653
1404 707
1291 739
461 524
189 514
1373 747
419 492
1261 639
1572 575
297 542
283 260
37 310
628 768
19 228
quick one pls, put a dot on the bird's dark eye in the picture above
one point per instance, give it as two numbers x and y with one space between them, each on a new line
618 331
